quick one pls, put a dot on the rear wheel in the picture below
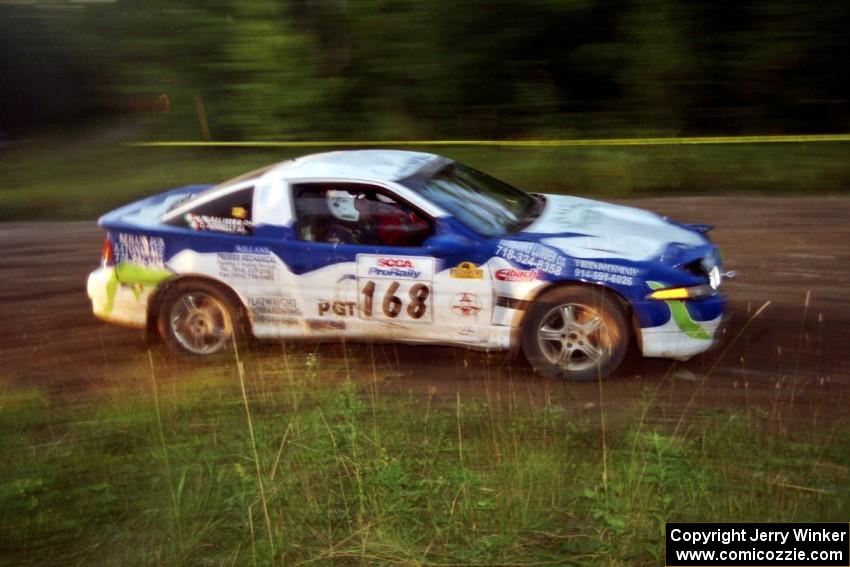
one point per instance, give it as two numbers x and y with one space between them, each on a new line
198 318
577 333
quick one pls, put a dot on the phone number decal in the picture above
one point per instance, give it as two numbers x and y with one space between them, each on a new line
532 254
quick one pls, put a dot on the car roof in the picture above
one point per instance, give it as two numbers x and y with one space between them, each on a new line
355 165
376 165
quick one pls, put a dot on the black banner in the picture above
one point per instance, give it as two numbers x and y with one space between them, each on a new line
740 545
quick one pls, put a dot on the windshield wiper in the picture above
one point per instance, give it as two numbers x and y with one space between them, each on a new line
530 216
540 202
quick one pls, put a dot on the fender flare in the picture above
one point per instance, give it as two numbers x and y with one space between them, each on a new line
520 314
155 300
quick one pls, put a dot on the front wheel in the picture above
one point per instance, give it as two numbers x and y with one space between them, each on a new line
577 333
198 318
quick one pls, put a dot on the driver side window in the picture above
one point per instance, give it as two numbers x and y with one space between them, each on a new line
353 213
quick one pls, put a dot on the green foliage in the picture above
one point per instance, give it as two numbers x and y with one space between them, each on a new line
87 174
81 79
351 475
412 69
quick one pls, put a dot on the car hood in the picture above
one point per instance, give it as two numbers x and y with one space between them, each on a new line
584 228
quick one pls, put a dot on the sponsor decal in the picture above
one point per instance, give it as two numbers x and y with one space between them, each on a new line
274 307
516 275
394 273
321 324
604 272
339 308
218 224
539 256
395 263
253 249
467 271
395 267
246 266
395 288
465 304
141 250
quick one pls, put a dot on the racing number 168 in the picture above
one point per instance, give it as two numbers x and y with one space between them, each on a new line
391 305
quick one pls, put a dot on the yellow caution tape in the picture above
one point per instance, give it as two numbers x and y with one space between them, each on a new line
509 143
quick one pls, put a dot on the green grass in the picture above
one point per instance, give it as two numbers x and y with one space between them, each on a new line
305 465
84 174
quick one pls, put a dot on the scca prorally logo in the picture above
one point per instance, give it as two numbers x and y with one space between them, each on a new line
394 263
466 304
467 271
515 275
404 268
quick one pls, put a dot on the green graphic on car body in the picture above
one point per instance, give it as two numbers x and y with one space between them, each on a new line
134 275
681 317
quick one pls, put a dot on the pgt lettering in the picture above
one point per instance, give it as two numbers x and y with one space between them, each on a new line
340 308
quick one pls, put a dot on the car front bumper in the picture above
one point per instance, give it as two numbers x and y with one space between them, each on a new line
680 329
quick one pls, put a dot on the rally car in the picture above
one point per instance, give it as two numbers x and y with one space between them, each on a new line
381 245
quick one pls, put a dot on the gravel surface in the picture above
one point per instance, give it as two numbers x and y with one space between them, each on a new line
792 360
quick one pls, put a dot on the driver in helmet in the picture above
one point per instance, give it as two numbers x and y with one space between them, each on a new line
371 218
346 225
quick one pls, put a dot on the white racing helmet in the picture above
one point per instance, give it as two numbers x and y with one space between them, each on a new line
341 205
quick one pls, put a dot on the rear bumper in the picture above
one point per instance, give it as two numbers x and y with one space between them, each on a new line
116 302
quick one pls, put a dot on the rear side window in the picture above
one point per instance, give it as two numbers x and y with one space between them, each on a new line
229 213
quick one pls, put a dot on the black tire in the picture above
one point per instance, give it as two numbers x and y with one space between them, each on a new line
577 333
200 318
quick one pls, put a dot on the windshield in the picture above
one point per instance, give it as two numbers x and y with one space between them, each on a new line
486 205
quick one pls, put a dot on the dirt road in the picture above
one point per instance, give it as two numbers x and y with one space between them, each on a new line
793 359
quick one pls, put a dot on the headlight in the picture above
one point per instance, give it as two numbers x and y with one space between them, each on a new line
692 292
714 277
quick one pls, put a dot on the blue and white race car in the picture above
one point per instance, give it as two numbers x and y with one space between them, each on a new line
381 245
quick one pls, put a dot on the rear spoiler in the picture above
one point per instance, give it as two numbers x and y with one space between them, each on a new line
146 212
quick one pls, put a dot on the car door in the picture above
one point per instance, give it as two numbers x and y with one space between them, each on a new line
384 281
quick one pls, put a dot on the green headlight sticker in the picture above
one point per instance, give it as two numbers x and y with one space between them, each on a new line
681 317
